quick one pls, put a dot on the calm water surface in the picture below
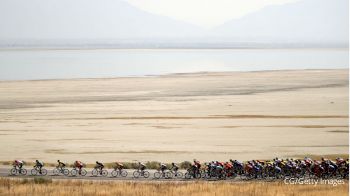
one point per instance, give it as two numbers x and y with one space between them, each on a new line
57 64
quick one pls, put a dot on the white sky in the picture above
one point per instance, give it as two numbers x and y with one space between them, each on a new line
205 13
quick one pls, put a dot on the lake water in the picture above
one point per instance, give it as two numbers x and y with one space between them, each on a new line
57 64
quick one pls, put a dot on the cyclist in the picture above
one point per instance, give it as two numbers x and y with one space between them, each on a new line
340 161
219 168
142 166
174 167
258 167
249 167
39 165
198 166
277 170
99 166
79 165
119 165
162 168
18 163
228 168
238 166
60 164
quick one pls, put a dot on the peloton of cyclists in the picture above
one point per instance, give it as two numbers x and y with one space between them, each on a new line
324 167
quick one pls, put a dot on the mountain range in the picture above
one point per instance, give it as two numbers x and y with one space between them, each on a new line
115 22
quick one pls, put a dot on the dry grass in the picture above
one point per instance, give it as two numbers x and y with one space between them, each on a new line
76 187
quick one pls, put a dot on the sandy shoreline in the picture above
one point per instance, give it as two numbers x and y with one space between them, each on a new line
241 115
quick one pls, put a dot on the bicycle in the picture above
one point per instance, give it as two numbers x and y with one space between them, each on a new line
99 171
60 170
215 173
119 172
38 171
175 173
142 173
81 172
162 174
193 173
16 170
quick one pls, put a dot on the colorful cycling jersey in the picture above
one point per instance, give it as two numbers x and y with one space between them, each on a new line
18 162
78 164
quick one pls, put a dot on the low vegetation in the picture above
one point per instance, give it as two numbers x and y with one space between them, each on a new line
76 187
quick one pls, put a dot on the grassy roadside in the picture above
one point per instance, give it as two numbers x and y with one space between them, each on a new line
106 188
182 165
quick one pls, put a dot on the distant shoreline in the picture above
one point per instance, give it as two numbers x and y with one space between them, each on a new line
166 48
172 74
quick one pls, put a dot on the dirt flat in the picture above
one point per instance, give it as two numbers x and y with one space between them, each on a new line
208 116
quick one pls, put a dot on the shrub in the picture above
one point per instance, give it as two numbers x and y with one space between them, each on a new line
153 165
185 165
128 165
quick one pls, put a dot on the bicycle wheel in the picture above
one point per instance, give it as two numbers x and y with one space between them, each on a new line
136 174
13 171
23 172
65 172
244 176
157 175
104 173
83 172
146 174
74 172
201 173
124 173
114 173
188 175
43 172
34 172
179 175
233 175
94 172
56 172
168 175
198 175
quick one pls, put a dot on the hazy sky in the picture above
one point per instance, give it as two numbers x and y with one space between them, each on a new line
205 13
269 21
